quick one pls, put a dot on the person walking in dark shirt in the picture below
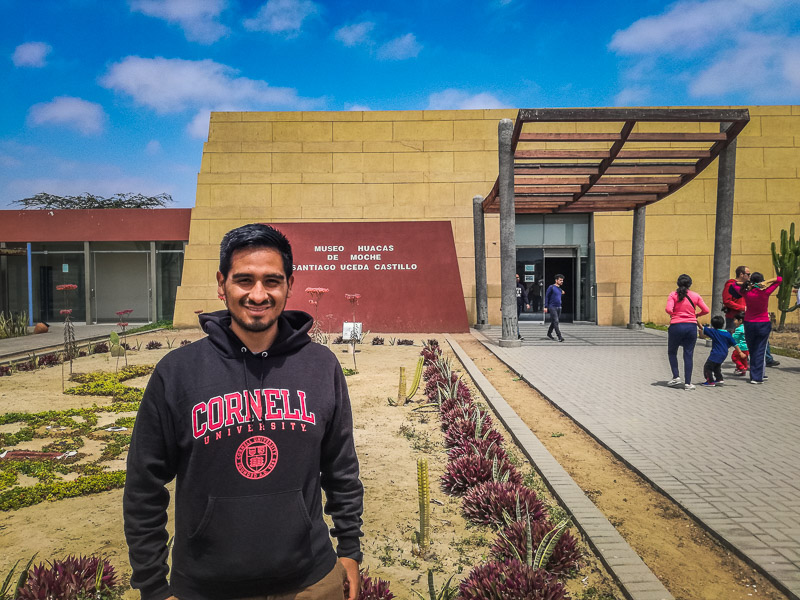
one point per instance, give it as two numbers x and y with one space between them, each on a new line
552 306
522 301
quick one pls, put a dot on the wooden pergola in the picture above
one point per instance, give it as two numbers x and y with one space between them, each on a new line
586 171
604 165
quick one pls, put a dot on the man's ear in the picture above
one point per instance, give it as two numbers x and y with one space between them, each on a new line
220 285
290 283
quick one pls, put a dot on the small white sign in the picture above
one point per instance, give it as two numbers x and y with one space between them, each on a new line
351 330
64 268
530 268
530 278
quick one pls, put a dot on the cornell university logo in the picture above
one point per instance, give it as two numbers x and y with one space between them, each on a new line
256 457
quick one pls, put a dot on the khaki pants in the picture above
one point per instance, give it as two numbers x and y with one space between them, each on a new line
330 587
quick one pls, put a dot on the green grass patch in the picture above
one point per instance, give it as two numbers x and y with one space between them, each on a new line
164 324
651 325
791 352
20 497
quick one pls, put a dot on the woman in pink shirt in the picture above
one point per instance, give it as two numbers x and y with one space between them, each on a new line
757 324
683 308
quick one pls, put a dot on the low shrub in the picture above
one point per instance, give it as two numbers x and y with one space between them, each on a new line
514 537
5 370
470 412
510 580
99 348
153 345
338 340
485 448
377 341
185 343
496 504
49 360
371 589
405 342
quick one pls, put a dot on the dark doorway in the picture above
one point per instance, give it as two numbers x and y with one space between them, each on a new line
555 265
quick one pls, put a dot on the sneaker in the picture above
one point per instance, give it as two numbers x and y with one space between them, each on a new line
766 376
720 382
676 381
689 386
708 384
550 335
739 372
519 337
774 363
754 382
560 339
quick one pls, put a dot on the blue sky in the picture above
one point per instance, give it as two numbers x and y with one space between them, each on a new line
113 96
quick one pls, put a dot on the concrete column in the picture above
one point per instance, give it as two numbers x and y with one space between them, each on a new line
481 294
508 242
153 283
637 269
723 230
87 282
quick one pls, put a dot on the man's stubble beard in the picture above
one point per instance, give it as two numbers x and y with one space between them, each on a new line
254 326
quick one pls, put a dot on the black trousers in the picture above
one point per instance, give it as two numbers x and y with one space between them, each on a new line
555 313
712 371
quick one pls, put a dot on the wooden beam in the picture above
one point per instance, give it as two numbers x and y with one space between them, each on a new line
654 188
676 137
664 153
551 170
547 189
633 114
568 137
551 180
651 169
637 179
561 154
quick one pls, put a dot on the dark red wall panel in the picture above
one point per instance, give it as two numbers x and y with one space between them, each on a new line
95 225
406 272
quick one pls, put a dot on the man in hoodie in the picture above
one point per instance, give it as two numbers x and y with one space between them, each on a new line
253 422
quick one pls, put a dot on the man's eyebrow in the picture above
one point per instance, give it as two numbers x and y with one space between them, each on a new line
275 275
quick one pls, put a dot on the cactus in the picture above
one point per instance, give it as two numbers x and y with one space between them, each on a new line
423 536
787 265
401 387
417 377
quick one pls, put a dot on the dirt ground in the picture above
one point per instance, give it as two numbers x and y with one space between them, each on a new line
389 439
690 564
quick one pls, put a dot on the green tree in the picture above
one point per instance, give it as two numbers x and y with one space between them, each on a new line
45 201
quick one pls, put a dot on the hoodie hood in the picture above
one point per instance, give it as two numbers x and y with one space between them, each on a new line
293 328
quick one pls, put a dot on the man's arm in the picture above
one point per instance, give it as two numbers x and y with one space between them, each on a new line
151 465
343 490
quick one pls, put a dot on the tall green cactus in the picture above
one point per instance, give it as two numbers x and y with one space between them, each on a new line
423 536
787 265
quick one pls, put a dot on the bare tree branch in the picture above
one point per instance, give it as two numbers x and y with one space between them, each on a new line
45 201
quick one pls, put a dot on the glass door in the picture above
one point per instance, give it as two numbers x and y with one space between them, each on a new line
530 268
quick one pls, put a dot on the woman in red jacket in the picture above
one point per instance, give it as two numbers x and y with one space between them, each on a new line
757 324
683 308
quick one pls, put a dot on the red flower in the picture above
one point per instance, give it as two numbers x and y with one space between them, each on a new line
127 311
352 297
66 287
65 311
122 324
119 313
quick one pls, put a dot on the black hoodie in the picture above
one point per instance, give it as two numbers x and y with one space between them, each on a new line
252 439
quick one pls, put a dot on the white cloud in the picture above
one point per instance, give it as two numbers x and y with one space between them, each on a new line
686 26
452 99
31 54
358 107
282 16
400 48
153 147
632 96
771 65
196 84
75 113
197 18
9 162
355 34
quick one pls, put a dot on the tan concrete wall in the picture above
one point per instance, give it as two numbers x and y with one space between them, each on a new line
342 166
427 165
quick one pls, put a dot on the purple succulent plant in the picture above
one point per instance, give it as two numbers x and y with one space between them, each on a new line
468 471
371 589
564 559
487 502
68 579
462 430
510 580
485 448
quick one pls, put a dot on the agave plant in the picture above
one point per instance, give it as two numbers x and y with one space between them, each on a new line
510 580
484 448
462 430
6 591
499 504
471 470
470 412
431 352
69 579
371 589
550 547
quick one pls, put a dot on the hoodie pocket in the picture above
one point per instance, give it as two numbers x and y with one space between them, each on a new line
252 537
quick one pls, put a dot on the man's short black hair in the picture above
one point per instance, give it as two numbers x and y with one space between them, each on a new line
558 276
740 270
254 235
718 321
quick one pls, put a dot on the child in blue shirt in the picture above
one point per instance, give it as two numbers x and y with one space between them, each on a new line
721 340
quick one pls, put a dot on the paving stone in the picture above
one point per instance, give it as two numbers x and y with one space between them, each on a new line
729 455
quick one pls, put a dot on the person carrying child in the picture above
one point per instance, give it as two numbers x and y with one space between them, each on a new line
721 340
740 354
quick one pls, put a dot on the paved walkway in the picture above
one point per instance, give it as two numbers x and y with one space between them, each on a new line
52 340
729 455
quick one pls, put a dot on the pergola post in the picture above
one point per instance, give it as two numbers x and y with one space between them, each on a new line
481 293
637 269
508 242
723 229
